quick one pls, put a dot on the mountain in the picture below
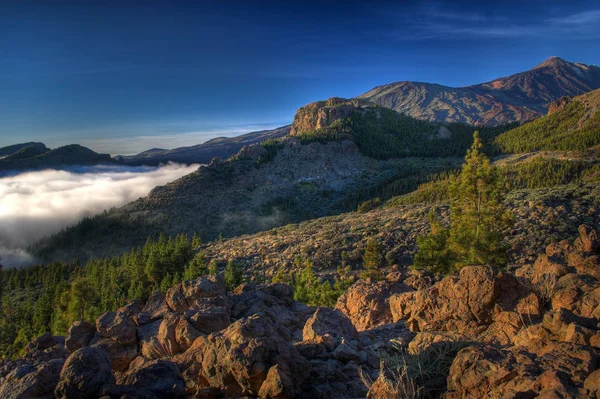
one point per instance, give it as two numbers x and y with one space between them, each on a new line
37 156
13 149
222 147
517 98
307 174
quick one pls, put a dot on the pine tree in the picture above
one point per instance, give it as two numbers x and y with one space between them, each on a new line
196 267
372 260
433 248
478 219
477 215
233 275
213 267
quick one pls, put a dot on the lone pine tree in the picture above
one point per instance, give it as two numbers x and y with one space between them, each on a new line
478 219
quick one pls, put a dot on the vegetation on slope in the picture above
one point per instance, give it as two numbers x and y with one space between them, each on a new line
575 127
539 172
382 134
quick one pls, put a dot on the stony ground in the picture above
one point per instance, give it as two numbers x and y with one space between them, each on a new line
482 333
542 216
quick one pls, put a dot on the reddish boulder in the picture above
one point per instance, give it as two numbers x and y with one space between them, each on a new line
366 303
79 335
85 374
156 308
240 359
118 327
120 355
183 296
588 240
29 381
329 327
486 371
469 304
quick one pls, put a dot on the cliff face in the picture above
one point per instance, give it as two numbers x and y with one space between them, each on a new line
516 98
321 114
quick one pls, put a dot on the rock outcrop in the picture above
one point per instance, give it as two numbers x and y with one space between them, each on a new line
366 303
483 333
321 114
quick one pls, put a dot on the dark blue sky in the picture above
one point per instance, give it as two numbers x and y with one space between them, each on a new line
125 76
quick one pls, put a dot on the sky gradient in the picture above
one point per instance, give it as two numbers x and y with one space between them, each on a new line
122 77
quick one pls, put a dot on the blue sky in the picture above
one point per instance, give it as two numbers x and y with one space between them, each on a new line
124 76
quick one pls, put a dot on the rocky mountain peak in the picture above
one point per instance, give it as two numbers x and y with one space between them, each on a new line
516 98
552 62
321 114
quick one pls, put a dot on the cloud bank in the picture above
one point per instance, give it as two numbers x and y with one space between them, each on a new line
35 204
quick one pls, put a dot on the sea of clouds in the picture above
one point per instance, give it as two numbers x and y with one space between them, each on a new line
36 204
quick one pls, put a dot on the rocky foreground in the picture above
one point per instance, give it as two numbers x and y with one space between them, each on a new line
531 333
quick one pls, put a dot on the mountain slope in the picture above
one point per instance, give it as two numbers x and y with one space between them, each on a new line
222 147
519 97
13 149
34 158
304 175
573 125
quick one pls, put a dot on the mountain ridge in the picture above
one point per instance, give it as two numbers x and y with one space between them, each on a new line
518 97
222 147
37 156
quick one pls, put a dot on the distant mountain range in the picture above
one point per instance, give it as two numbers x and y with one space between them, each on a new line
36 156
222 147
516 98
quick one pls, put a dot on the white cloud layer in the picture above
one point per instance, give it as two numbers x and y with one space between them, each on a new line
35 204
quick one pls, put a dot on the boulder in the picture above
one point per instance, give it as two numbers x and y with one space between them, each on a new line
117 326
210 315
120 355
585 263
85 374
182 296
469 304
153 379
32 381
79 335
329 327
487 371
419 279
156 308
592 384
41 343
167 337
133 307
558 249
249 299
588 240
545 265
240 359
366 303
578 293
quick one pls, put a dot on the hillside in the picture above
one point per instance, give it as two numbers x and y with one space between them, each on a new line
36 156
572 125
383 133
263 186
325 166
221 147
411 334
15 148
517 98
